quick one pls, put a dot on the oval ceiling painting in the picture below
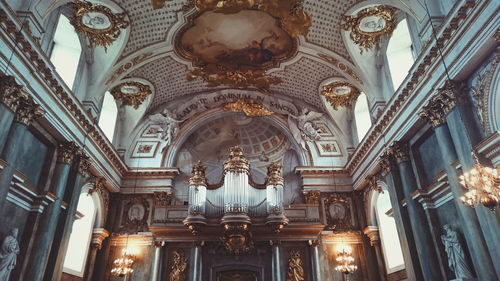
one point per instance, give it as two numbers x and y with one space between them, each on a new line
246 39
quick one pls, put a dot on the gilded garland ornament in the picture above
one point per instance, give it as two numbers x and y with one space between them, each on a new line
97 23
370 25
131 93
340 94
249 107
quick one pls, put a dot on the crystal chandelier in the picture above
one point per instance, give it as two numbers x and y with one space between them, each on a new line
482 184
123 265
345 262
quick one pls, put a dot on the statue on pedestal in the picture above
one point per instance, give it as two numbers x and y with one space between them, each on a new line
8 254
455 253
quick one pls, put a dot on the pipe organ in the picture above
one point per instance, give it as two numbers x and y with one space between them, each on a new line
236 200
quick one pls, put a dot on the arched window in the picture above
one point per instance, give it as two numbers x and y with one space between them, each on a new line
66 51
81 234
362 116
399 54
107 119
389 235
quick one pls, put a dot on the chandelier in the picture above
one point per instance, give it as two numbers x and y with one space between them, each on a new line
123 265
482 184
345 262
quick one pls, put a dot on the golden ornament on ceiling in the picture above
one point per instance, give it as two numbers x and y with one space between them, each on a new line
131 93
249 107
97 23
234 42
370 25
340 94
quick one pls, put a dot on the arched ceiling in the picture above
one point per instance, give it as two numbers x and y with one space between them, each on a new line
152 31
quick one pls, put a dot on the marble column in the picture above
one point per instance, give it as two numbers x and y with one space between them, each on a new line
435 112
403 225
315 262
432 268
373 234
156 265
196 269
77 178
98 236
10 95
276 262
39 256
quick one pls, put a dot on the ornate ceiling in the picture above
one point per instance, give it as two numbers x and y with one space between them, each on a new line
154 31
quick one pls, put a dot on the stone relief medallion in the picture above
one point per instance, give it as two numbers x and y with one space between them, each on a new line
135 215
370 25
97 22
131 93
234 42
340 94
136 212
338 212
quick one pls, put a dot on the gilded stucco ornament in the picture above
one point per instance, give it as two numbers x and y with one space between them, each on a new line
340 94
249 107
220 57
11 93
179 266
385 161
198 177
66 152
236 161
131 93
274 174
295 267
312 196
400 151
338 212
97 22
370 25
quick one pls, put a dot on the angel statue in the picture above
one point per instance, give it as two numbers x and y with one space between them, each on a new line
169 126
302 127
8 254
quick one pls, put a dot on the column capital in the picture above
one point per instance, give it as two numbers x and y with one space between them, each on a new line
312 196
373 233
440 104
98 235
27 111
314 243
400 151
83 164
66 152
386 161
372 185
11 93
158 244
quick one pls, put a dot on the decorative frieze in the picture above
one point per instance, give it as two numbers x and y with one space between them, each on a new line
66 152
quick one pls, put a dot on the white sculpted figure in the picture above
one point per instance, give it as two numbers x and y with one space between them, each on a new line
456 256
8 254
302 127
169 125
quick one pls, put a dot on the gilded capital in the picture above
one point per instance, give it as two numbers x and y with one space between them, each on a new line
84 164
400 151
11 93
198 177
66 152
386 160
440 105
236 162
27 110
312 196
372 185
274 174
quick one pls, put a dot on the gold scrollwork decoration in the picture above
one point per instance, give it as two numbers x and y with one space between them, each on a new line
340 94
249 107
179 266
295 267
97 22
235 78
131 93
370 25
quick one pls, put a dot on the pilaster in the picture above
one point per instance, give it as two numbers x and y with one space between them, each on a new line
98 236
